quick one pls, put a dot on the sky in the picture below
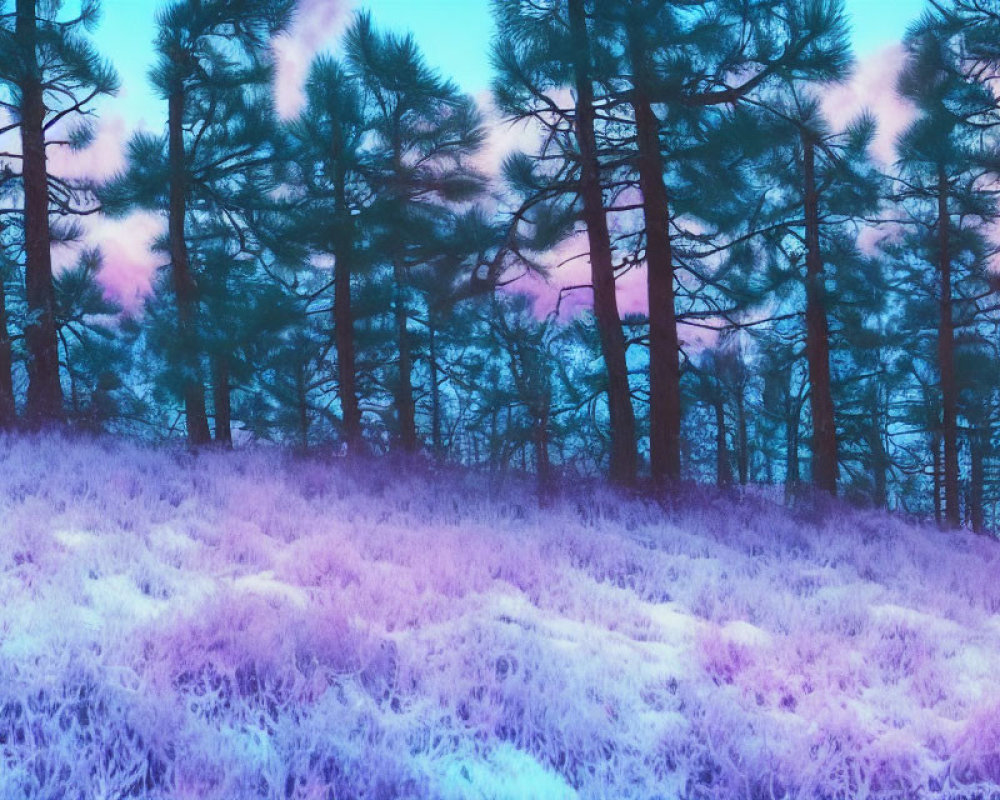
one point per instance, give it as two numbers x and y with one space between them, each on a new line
454 36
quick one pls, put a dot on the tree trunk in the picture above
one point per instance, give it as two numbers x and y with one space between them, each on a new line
406 408
436 440
302 404
44 404
222 401
624 454
723 471
977 474
543 465
8 408
343 315
946 360
664 345
824 444
792 473
880 458
185 290
743 440
936 445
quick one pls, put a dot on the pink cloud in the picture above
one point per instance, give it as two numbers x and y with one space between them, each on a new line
126 249
103 158
873 87
569 278
316 22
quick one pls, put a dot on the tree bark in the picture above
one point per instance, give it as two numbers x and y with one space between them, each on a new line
880 458
624 454
792 475
406 408
343 314
824 443
437 443
8 408
743 439
946 360
723 470
664 342
222 401
936 467
185 289
543 464
977 474
44 402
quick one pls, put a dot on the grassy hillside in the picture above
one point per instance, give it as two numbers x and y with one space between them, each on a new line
249 625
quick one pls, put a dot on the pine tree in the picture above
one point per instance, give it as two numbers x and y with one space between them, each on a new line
329 149
542 49
51 75
944 158
213 69
424 132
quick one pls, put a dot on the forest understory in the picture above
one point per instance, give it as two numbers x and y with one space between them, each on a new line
253 624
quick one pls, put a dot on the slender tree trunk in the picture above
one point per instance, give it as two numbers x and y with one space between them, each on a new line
824 445
723 471
184 286
624 454
977 475
664 345
406 408
946 360
343 315
938 504
222 400
8 408
543 465
302 405
437 442
743 444
792 473
44 404
880 458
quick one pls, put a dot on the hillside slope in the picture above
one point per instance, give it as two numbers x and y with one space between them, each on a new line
249 625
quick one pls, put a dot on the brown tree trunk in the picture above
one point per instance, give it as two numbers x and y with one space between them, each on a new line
792 476
723 471
302 404
880 459
946 360
936 466
824 444
184 286
436 439
743 439
977 474
624 454
406 408
222 400
664 344
543 465
8 409
44 404
343 315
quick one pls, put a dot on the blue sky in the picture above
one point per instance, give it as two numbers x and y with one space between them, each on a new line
454 35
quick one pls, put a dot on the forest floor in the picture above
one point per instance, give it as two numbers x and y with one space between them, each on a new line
253 625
